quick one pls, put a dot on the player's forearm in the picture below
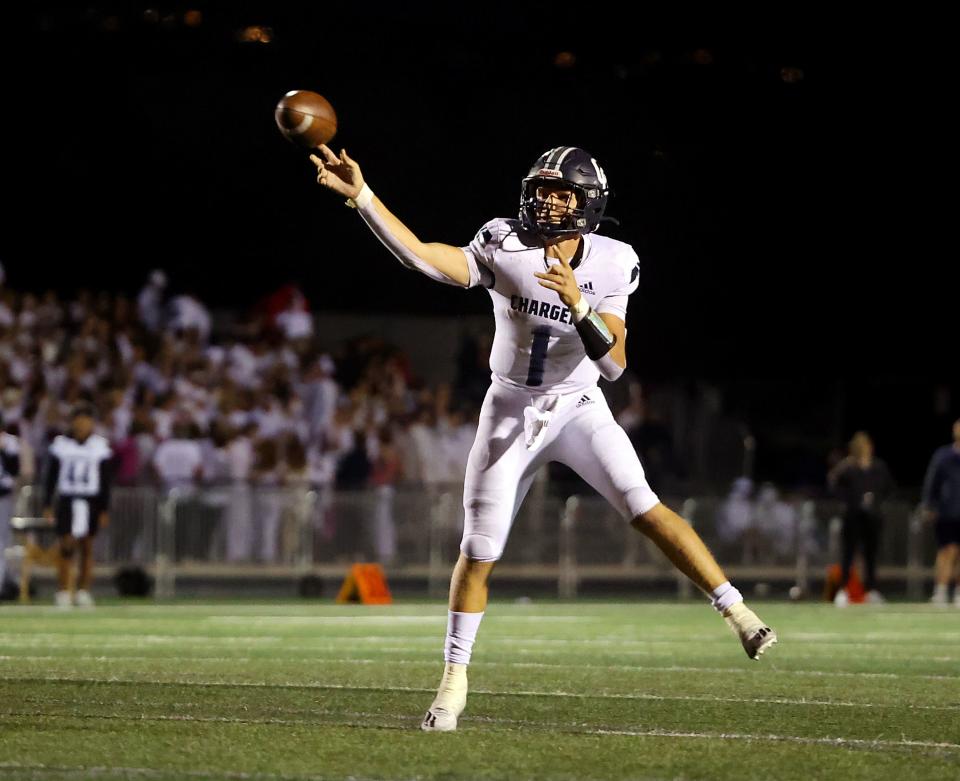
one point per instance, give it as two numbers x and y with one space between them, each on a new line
618 353
440 262
601 344
610 368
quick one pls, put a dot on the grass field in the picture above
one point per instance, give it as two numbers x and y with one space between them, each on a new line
588 690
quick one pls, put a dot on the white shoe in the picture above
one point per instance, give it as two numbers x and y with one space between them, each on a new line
450 701
83 599
874 597
940 596
842 599
62 600
755 635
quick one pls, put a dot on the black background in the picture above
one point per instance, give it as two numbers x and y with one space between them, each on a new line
772 218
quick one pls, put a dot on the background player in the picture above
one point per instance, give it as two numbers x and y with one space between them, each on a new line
78 472
543 404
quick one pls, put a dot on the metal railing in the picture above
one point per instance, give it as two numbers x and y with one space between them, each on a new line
248 531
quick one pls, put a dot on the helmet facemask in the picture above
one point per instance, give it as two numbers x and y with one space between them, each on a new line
549 216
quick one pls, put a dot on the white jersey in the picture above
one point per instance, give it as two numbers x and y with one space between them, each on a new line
80 464
536 345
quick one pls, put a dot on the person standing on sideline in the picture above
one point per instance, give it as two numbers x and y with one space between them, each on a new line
862 481
941 500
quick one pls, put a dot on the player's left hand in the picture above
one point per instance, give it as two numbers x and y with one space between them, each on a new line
560 278
340 174
104 520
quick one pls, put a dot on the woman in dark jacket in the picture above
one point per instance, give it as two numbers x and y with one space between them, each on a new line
862 481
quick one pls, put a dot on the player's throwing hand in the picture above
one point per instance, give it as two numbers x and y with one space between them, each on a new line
560 278
340 174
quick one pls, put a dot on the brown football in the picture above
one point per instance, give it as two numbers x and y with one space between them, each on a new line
306 118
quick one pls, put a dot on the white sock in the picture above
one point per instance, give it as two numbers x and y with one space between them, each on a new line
940 590
461 634
724 596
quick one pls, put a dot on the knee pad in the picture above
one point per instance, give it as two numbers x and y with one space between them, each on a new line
480 547
486 526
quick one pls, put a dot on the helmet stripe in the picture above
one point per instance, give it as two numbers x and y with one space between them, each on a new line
556 153
563 157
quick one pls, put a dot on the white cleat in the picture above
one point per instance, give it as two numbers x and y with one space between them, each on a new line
450 701
842 599
956 596
755 635
62 600
439 719
84 599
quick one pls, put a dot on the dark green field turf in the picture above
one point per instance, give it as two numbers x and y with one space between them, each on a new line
574 691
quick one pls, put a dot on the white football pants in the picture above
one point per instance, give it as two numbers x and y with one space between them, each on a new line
513 443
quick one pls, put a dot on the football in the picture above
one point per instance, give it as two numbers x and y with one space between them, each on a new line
306 118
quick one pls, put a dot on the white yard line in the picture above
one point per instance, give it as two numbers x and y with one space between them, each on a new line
782 738
66 637
720 639
101 642
863 641
906 636
767 668
518 693
440 618
568 728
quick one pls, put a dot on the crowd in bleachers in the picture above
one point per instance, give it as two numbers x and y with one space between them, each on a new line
184 404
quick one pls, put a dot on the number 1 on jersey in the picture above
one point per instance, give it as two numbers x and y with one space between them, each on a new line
538 355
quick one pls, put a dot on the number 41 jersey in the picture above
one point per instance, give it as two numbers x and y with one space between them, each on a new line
78 466
536 345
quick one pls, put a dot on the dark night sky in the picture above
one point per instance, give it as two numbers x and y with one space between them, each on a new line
743 194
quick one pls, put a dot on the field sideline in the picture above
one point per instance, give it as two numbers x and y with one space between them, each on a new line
585 690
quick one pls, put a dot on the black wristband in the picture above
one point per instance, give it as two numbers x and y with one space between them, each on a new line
595 335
